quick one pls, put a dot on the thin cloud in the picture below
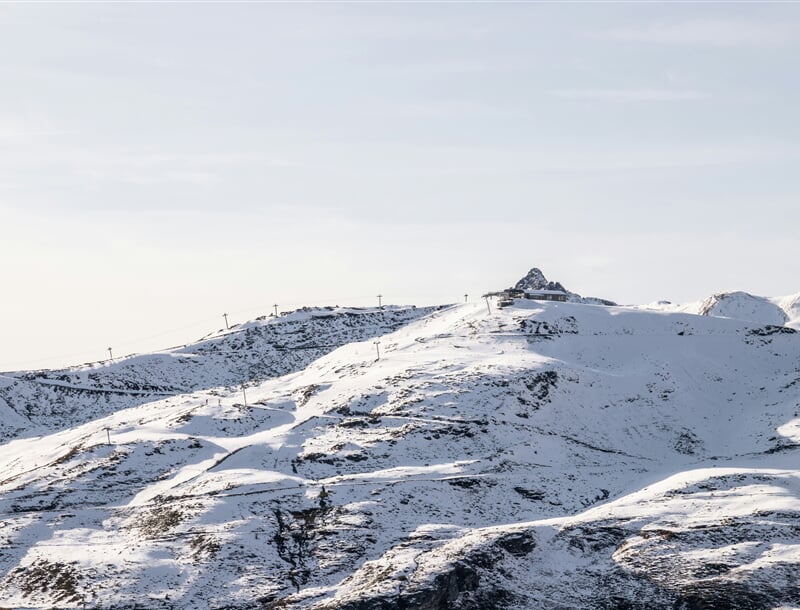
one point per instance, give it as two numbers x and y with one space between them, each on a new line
716 33
630 95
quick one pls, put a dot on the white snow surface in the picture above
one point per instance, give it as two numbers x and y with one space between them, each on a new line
552 455
740 305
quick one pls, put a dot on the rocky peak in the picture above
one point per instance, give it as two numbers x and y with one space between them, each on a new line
535 280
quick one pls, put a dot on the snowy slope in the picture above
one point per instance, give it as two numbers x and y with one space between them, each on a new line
740 306
33 402
744 306
546 455
791 307
722 538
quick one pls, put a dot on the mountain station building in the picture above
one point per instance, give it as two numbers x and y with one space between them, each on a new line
536 295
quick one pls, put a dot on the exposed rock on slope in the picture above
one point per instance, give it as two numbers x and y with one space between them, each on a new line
32 402
535 280
545 455
681 546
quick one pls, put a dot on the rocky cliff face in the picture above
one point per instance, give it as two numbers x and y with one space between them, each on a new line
535 280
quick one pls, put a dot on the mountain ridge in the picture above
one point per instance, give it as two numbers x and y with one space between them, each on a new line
266 347
547 453
740 305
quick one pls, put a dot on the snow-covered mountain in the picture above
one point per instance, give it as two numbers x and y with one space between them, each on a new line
546 455
37 401
781 311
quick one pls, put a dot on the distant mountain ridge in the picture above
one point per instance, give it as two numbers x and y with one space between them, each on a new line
744 306
740 305
33 401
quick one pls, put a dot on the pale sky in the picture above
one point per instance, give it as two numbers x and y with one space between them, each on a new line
164 163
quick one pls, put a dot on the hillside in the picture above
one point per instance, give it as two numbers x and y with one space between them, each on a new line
556 455
781 311
35 402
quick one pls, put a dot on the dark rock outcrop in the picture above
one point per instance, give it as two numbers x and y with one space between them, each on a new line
535 280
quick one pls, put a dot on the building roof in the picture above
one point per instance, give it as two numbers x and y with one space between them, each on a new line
555 292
